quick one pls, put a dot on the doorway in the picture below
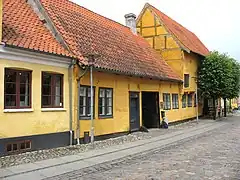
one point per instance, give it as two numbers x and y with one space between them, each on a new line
134 111
150 110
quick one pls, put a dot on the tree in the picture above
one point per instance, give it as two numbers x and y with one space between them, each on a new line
215 76
232 91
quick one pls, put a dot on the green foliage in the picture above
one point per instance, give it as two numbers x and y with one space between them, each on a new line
219 76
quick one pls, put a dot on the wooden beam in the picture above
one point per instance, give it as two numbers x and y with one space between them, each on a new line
146 27
155 25
168 35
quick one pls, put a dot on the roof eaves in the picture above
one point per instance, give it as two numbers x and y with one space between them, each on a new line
109 70
38 51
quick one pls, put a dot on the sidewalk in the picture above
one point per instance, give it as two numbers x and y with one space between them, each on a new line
58 166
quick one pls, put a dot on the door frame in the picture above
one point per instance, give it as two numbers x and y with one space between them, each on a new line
138 109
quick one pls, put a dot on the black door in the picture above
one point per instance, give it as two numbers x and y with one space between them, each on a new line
134 111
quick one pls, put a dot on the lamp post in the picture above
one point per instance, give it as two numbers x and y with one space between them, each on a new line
196 92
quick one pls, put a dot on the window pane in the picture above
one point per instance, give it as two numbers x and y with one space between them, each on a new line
10 76
109 93
24 101
47 79
24 77
109 110
186 80
102 93
109 101
57 101
89 92
10 100
82 111
10 88
46 90
82 91
46 100
24 89
58 85
89 106
82 101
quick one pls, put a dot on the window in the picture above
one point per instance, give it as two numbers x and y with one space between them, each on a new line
105 102
184 101
85 102
166 101
189 100
165 42
17 89
186 80
52 90
175 103
195 100
18 146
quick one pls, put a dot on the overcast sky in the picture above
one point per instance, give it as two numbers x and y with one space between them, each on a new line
215 22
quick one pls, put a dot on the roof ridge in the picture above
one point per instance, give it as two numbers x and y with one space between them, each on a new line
98 14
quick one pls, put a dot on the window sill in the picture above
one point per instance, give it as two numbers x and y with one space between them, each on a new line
86 118
52 109
105 117
17 110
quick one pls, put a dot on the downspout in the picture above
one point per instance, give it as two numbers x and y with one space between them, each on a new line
70 71
78 99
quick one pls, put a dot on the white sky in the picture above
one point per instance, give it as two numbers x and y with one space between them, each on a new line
215 22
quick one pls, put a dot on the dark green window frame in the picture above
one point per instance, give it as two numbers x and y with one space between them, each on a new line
175 101
184 101
105 102
166 101
85 102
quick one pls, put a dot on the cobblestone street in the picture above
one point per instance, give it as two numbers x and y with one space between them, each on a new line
213 155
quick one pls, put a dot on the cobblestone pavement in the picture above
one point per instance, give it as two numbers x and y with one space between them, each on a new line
213 155
34 156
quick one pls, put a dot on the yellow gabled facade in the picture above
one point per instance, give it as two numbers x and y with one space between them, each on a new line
182 61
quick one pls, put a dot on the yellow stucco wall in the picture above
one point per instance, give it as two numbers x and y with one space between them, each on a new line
36 122
121 86
153 30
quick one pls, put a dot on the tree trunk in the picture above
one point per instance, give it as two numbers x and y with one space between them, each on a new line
214 109
225 107
230 105
205 107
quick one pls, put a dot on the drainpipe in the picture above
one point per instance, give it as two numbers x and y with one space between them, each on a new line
78 99
70 71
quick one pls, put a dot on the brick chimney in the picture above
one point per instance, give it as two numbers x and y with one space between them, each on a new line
131 22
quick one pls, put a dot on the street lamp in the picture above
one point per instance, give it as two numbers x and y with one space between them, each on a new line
196 92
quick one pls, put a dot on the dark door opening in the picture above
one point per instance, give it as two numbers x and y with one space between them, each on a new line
134 111
150 110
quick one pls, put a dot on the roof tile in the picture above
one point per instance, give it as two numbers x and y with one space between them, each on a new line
86 32
22 28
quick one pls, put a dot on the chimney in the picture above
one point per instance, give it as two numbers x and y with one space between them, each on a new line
131 22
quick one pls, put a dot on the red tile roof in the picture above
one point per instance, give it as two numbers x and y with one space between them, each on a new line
22 28
86 32
186 37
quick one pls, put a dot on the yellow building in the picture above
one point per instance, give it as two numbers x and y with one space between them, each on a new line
34 88
54 50
180 48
